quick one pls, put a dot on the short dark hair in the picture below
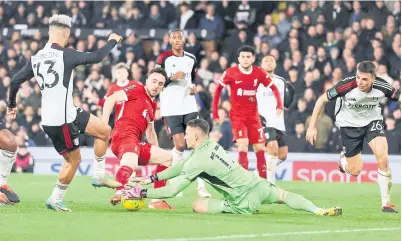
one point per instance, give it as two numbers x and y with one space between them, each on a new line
246 48
159 70
176 30
367 67
200 123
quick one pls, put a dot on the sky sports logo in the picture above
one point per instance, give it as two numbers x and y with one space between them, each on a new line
329 172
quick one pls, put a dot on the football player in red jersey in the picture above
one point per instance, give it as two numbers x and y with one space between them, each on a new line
135 120
244 80
121 76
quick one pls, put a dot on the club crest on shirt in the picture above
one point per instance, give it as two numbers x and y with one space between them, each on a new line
255 82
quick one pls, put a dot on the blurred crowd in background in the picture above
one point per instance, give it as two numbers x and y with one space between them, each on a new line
316 45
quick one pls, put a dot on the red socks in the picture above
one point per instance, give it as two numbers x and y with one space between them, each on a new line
261 164
162 183
243 160
123 174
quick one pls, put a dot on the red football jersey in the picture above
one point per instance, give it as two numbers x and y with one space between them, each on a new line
110 91
243 88
136 113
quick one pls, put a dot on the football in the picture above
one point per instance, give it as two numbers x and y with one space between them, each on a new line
132 205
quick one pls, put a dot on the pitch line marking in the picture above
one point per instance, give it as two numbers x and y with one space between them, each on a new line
250 236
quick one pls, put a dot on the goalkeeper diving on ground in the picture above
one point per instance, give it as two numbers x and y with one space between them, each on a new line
243 191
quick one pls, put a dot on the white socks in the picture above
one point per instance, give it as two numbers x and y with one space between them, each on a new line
271 168
7 159
177 156
58 192
99 167
384 180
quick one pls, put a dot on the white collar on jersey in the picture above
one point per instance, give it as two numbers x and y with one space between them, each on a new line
242 70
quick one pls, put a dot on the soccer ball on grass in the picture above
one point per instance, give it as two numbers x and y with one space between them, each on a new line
132 205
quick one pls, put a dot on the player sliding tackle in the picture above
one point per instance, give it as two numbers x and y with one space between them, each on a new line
53 68
243 191
135 119
358 113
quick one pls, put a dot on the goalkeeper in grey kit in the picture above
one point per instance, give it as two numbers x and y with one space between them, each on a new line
243 191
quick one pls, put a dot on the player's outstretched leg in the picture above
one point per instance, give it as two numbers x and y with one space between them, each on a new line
298 202
128 163
8 150
66 175
101 132
379 146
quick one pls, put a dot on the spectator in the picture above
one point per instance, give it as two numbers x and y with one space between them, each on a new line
245 12
203 71
297 141
393 136
78 19
314 11
300 115
187 19
24 161
380 13
357 15
283 25
155 19
324 125
225 128
193 46
212 22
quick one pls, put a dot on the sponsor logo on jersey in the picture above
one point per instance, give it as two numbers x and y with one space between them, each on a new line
241 92
351 99
332 93
238 81
255 82
376 98
76 141
365 106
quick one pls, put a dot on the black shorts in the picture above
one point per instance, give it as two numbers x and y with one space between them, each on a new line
272 134
65 138
353 137
177 123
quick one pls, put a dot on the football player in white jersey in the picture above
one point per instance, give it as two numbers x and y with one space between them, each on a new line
274 125
358 114
178 104
53 68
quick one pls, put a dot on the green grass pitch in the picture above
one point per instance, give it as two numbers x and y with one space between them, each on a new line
93 218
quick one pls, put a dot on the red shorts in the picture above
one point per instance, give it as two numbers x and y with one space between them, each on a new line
142 149
250 128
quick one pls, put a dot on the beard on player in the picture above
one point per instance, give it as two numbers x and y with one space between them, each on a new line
246 60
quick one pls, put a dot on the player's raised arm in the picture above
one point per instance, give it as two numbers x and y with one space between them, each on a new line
110 102
76 58
23 75
312 130
223 81
150 133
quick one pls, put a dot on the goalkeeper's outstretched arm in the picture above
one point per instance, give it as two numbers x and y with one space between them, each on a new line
168 191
